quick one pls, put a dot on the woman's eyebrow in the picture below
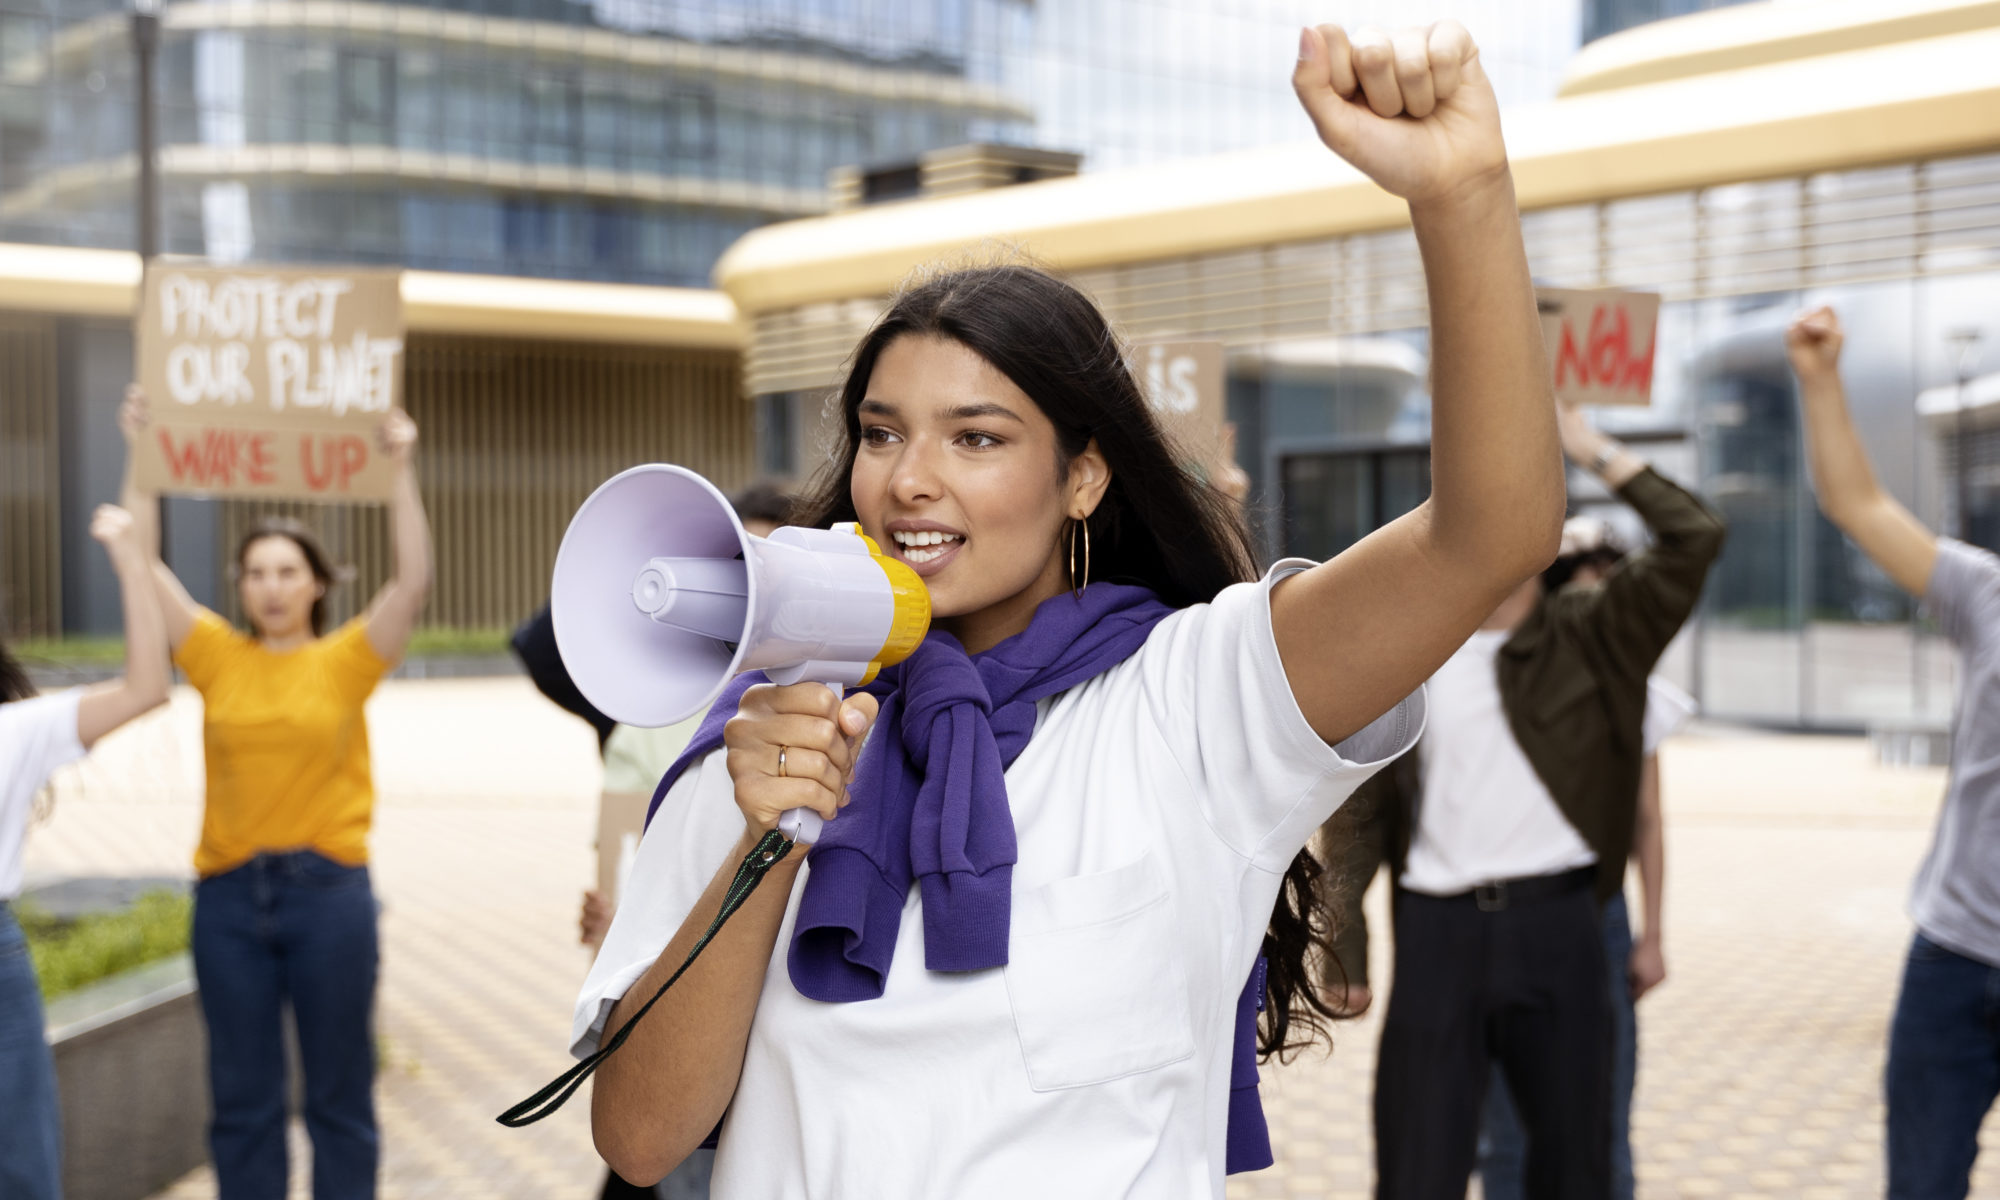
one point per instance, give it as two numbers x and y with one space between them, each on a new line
961 412
975 412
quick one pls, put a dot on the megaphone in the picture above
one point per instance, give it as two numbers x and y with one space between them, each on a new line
660 596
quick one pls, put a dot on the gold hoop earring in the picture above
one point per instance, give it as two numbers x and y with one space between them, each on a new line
1075 588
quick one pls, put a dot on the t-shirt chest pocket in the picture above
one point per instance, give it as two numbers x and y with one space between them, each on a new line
1097 989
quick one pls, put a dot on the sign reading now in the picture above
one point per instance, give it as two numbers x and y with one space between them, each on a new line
1600 344
269 382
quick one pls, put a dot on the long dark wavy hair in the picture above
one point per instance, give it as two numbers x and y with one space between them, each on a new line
14 682
1157 525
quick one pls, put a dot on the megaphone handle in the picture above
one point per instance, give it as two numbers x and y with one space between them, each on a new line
803 825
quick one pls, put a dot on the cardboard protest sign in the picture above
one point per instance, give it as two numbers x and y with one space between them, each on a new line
1186 384
268 382
1600 344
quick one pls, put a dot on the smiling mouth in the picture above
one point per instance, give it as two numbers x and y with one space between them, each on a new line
927 546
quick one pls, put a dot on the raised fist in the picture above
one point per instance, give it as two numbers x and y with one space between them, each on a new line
112 526
1813 342
1411 109
396 435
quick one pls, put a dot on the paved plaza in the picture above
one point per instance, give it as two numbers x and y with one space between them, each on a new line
1760 1057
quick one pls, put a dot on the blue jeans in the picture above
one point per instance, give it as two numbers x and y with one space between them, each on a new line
30 1124
1943 1073
1503 1149
293 928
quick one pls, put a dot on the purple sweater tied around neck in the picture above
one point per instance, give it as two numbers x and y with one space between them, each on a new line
930 808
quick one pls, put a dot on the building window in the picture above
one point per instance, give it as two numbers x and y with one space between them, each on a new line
367 98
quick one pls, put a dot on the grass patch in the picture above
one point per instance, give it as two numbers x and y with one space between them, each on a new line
86 650
73 954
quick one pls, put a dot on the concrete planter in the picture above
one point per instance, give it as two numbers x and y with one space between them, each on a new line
132 1069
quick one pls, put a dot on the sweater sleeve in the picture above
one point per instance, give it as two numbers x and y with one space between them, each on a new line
1648 597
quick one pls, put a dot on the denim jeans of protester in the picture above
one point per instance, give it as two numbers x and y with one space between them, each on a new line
297 930
1943 1073
1503 1149
30 1130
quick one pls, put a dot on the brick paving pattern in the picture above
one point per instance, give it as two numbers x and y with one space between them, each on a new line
1760 1057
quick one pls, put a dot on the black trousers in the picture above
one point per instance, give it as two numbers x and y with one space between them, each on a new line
1483 980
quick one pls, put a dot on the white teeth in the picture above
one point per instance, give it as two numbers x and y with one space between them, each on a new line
928 537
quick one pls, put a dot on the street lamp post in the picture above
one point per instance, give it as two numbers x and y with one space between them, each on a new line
145 53
1964 340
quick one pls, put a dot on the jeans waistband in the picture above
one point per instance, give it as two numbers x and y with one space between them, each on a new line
1503 894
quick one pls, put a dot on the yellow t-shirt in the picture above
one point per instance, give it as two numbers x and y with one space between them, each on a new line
285 743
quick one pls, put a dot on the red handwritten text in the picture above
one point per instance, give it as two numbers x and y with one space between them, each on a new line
331 460
1606 358
219 457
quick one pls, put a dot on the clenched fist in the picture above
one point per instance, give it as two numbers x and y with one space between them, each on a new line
1813 343
1411 109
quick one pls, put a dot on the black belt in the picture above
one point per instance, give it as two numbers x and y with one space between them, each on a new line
1503 894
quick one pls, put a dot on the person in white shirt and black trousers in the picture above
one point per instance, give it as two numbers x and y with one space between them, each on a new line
1506 832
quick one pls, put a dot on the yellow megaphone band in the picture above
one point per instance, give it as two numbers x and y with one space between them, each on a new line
912 619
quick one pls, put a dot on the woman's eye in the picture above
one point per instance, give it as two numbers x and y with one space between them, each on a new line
875 435
977 440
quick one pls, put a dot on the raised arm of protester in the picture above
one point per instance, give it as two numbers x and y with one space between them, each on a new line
1843 479
178 610
1419 117
1649 595
144 685
392 614
1414 111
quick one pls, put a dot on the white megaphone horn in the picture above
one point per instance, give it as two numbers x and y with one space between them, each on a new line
660 596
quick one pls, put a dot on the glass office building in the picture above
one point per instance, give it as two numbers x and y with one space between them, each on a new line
618 140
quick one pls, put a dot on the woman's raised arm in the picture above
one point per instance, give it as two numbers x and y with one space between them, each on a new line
1843 478
392 615
177 609
1414 111
144 686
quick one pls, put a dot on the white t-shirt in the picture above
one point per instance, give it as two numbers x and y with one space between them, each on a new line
1484 814
1156 810
37 735
1667 709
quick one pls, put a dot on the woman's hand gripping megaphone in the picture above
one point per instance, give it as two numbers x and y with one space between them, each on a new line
794 746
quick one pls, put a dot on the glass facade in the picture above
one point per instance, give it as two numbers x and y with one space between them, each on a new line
621 140
629 140
1602 17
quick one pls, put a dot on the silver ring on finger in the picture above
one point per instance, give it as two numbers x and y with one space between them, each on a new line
781 763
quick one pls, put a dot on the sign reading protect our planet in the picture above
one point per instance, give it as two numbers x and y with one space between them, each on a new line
269 382
1600 344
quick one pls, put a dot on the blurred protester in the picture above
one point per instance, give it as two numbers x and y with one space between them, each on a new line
37 735
1024 959
1633 968
1506 832
284 912
634 760
1944 1043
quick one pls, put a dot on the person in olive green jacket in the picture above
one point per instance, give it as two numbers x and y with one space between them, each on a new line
1504 850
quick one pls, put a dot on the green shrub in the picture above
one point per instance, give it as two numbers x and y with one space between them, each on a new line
72 954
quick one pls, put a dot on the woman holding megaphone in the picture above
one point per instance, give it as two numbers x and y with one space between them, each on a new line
1016 960
284 911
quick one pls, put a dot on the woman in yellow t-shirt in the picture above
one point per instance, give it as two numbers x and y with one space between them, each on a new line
284 914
